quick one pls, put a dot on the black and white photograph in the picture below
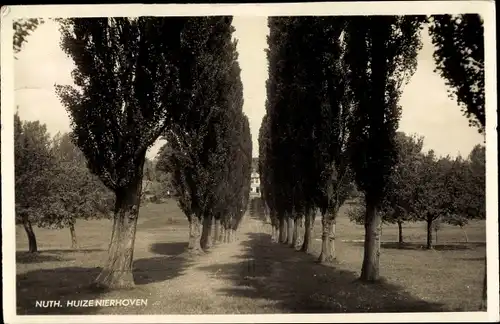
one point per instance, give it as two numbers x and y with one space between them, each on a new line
314 162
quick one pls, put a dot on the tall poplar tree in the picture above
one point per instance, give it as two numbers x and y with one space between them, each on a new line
225 199
381 55
126 94
330 140
200 139
280 127
266 176
459 56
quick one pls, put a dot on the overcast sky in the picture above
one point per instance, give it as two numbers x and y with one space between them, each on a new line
427 109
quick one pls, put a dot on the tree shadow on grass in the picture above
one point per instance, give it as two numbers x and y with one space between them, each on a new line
55 255
73 250
75 283
299 285
62 284
157 269
27 258
174 248
420 246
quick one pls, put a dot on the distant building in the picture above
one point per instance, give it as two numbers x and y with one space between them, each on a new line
255 164
254 184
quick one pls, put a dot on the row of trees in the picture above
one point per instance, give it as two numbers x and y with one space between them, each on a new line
208 151
138 79
423 187
53 185
332 111
331 123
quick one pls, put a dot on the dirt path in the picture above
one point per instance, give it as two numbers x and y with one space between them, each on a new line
254 275
202 284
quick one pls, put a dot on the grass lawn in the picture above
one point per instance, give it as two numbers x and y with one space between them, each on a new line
252 275
451 274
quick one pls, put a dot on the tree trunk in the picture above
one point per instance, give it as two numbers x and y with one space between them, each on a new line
333 237
429 233
31 234
300 234
371 257
228 235
282 236
194 245
484 299
206 236
465 234
400 232
191 232
295 235
328 238
370 270
273 233
217 231
74 243
117 272
222 235
289 230
308 224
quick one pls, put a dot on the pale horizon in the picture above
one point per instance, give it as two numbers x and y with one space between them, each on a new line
427 109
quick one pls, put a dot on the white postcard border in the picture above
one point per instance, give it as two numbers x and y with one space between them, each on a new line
485 8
